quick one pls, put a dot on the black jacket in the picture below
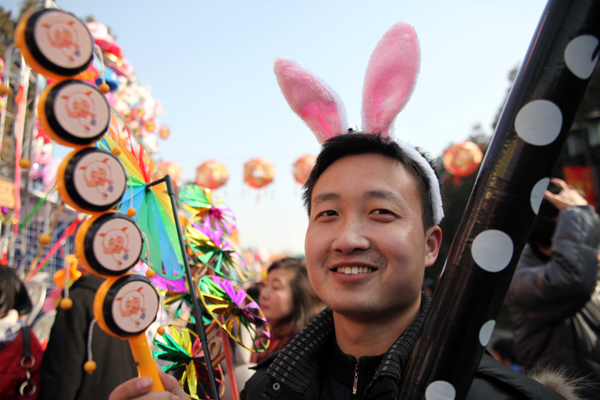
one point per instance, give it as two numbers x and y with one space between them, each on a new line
553 304
62 376
296 371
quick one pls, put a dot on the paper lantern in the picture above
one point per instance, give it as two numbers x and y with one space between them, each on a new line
462 159
303 167
169 168
259 172
211 174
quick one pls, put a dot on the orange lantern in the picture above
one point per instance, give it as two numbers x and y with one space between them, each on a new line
211 174
303 167
462 159
168 168
259 172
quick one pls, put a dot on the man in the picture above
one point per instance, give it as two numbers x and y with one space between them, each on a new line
371 234
552 299
62 375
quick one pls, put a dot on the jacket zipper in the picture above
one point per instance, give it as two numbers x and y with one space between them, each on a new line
355 387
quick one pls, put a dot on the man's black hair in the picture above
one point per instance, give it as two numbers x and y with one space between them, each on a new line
357 143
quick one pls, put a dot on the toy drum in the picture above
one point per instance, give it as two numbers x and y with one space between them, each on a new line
54 43
109 244
125 307
73 113
91 180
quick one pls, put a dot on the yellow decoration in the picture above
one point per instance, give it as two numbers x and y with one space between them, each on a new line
4 90
24 163
161 330
66 303
89 366
150 274
131 212
104 88
44 239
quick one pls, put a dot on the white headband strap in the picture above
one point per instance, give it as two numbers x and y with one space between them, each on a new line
434 184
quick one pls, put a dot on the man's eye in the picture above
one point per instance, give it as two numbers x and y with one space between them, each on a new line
381 211
328 213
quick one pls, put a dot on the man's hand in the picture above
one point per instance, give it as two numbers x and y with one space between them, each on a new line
566 198
137 389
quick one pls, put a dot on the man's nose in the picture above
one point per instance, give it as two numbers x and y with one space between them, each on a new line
351 237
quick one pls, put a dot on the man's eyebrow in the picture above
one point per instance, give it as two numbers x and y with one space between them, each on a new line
322 197
382 194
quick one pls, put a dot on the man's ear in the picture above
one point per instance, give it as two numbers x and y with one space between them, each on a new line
433 241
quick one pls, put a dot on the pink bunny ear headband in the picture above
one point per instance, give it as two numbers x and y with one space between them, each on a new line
389 81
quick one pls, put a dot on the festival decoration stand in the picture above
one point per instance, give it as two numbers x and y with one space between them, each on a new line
506 198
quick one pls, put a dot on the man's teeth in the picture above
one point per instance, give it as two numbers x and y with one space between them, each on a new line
354 270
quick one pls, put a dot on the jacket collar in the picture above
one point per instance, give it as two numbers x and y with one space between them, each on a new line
297 365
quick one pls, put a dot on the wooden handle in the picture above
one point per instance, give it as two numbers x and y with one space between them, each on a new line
145 363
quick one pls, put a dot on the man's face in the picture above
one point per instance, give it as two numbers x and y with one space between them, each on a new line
366 249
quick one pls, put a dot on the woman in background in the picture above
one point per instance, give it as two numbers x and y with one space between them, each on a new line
288 302
15 302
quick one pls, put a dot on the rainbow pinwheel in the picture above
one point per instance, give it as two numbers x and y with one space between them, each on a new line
235 312
154 213
182 349
198 201
208 246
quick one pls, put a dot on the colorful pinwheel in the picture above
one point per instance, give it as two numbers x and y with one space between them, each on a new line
217 254
176 295
199 202
182 349
236 312
154 212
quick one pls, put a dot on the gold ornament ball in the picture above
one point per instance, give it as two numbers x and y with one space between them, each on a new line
66 303
116 151
150 274
161 330
44 239
104 88
24 163
89 366
131 212
4 90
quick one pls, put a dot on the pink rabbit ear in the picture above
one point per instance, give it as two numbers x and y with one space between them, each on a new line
312 99
390 79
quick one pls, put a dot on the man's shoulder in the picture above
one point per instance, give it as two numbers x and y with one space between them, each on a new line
494 380
255 385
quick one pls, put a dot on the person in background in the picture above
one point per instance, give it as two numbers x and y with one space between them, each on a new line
63 377
288 302
15 339
553 298
504 351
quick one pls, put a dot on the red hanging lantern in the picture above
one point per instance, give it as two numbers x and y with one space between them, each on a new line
211 174
462 159
303 167
259 172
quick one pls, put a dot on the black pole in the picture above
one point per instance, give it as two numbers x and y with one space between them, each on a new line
505 200
192 286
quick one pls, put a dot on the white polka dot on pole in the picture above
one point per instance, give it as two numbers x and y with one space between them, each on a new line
485 333
539 122
492 250
579 56
440 390
537 194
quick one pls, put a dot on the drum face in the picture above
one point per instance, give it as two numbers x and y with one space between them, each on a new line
130 305
95 179
77 112
59 42
113 244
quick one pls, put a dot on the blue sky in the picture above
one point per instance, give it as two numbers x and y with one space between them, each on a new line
210 63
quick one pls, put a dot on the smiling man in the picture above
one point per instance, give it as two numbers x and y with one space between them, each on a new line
373 229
